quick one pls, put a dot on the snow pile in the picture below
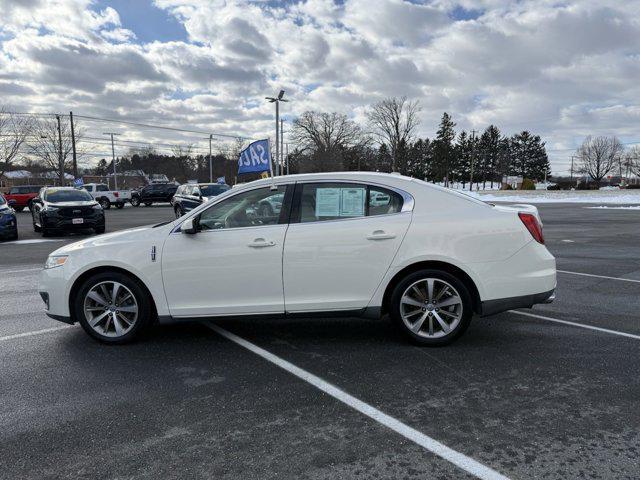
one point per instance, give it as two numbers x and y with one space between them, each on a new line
562 196
634 207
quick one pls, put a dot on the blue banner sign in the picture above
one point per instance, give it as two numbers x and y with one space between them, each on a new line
221 180
255 158
78 182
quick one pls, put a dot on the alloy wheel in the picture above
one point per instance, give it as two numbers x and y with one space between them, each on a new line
110 308
431 308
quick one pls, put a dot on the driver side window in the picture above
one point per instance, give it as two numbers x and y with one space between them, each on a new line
247 209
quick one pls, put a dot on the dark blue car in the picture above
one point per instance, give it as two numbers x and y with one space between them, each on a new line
191 195
8 221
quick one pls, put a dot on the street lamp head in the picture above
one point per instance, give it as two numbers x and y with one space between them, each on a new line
281 94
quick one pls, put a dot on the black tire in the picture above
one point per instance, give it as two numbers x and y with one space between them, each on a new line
18 209
135 201
120 205
105 203
36 228
142 298
47 232
147 204
99 230
30 206
14 236
178 211
463 292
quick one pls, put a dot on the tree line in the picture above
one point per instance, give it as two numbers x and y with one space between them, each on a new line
332 141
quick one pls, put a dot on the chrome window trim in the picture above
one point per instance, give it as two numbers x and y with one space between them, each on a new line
408 201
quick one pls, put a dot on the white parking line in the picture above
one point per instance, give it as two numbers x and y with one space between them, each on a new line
35 332
34 240
575 324
467 464
599 276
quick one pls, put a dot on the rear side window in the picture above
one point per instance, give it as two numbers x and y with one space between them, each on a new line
102 188
335 201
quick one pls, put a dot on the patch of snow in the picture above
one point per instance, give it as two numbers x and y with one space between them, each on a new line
561 196
630 207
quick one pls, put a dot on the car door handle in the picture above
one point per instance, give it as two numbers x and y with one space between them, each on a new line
381 235
261 243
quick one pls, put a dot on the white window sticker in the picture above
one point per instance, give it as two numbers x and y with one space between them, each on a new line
352 204
327 202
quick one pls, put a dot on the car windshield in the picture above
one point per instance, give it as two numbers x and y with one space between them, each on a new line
56 196
213 190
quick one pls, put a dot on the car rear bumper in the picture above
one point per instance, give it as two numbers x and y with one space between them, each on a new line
491 307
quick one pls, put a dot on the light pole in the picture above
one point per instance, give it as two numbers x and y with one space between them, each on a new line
113 159
277 101
210 162
60 159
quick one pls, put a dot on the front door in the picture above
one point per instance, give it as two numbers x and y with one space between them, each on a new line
340 243
233 265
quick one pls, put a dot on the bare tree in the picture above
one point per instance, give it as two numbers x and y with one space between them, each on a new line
632 160
44 143
184 158
394 121
599 156
14 130
326 136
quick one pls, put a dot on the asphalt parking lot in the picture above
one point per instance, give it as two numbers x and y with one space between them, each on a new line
523 396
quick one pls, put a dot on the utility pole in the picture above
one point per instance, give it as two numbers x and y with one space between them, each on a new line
73 146
60 159
210 161
282 146
286 159
473 155
572 157
113 159
277 101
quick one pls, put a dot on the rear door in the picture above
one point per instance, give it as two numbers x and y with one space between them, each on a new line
340 243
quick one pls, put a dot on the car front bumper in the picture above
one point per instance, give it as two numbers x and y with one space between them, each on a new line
59 222
52 286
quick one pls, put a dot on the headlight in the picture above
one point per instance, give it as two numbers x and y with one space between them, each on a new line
97 207
55 261
49 208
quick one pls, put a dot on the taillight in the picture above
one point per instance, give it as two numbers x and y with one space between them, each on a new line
531 222
116 194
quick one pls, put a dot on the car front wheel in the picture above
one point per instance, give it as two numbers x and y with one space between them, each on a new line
431 307
112 307
135 201
105 203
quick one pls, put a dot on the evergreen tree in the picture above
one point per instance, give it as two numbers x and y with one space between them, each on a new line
528 156
444 150
492 155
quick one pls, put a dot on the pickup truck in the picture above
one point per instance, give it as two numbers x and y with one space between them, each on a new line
105 197
21 196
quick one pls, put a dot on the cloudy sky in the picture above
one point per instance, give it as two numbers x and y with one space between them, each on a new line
558 68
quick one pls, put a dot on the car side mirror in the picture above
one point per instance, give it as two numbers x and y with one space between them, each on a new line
189 226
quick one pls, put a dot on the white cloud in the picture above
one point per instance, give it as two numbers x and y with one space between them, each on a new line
561 69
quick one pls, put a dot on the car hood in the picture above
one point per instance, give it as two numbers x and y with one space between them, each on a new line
88 203
145 234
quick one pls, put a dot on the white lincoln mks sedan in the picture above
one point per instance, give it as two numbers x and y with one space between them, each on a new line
353 244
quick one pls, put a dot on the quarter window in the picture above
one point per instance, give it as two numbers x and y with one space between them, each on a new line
335 201
254 208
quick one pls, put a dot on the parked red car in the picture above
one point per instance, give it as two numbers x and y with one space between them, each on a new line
20 197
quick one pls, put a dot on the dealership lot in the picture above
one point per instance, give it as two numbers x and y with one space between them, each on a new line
524 396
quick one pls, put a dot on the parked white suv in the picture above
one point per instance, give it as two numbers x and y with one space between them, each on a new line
342 243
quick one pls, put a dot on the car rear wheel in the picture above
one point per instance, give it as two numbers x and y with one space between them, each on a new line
105 203
135 201
18 209
119 205
431 307
112 307
147 204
